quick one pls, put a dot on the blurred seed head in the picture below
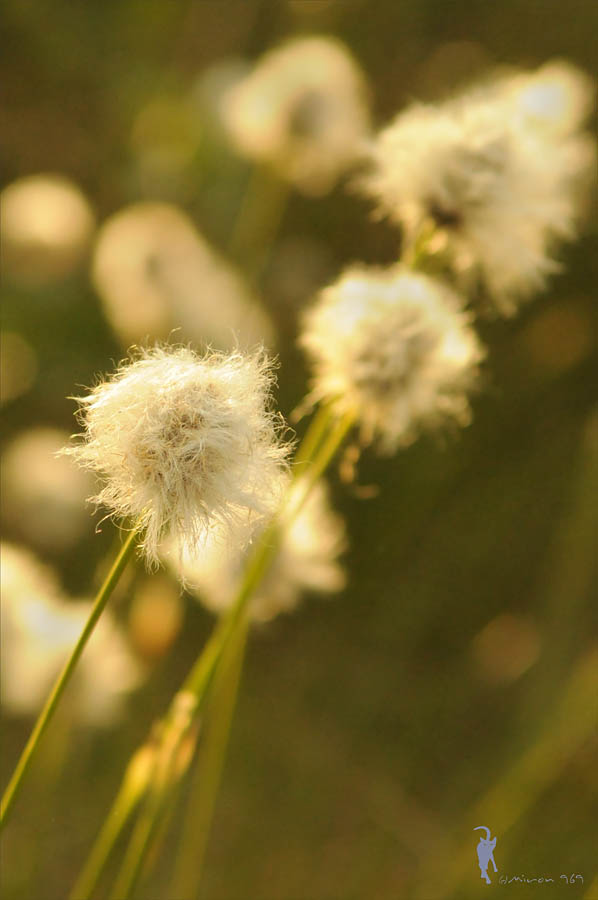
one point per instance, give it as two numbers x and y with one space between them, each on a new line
394 347
43 495
303 110
154 273
181 442
47 226
39 629
500 176
306 561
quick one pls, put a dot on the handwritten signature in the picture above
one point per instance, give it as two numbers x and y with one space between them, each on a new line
542 879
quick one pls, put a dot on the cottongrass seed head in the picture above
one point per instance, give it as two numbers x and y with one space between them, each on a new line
307 560
499 172
182 442
393 347
302 109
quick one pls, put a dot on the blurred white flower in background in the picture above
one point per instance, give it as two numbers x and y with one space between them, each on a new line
39 630
154 273
307 560
47 227
43 495
181 442
302 109
499 174
394 347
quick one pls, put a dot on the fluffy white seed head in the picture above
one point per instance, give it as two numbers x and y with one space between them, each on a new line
303 110
40 627
499 180
182 441
393 347
307 560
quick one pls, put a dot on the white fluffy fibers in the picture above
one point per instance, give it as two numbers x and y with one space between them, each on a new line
182 441
501 173
394 348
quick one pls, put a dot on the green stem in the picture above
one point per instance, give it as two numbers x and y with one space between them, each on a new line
417 249
136 851
208 770
131 790
318 465
163 778
195 688
49 709
312 438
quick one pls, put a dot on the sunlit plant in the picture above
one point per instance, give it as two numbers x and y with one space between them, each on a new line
193 459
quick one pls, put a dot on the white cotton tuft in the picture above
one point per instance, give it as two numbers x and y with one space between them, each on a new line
307 560
303 110
182 442
394 348
499 172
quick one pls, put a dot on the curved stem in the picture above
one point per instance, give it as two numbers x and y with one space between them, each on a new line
130 792
417 248
208 770
163 778
136 852
192 696
45 717
312 438
318 465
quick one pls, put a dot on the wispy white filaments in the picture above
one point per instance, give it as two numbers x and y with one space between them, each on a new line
307 560
393 347
498 172
303 110
182 442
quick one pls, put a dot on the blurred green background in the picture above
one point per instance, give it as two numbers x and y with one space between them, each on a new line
373 727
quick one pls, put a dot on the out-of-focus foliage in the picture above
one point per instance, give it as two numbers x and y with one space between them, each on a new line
374 725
